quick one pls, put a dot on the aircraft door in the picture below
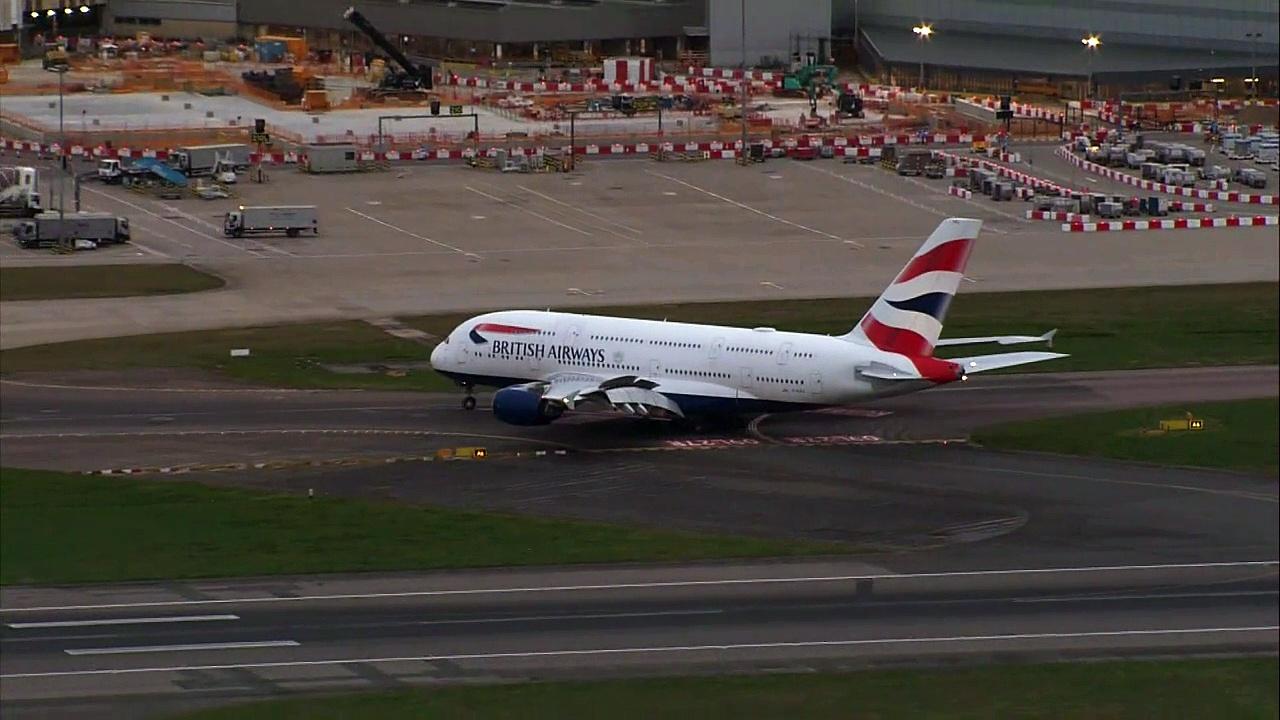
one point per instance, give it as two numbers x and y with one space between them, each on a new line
815 383
784 353
655 368
717 347
462 354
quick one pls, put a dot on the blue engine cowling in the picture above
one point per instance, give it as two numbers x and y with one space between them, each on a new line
522 406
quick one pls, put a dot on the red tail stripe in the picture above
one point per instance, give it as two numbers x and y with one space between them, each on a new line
950 256
894 339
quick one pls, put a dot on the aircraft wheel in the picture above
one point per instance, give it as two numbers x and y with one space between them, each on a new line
469 402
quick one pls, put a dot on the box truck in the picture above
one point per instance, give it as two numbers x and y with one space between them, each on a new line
47 229
288 219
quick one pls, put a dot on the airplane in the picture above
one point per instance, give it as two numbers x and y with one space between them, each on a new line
546 364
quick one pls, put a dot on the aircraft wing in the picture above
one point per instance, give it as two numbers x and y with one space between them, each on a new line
983 363
628 394
1046 338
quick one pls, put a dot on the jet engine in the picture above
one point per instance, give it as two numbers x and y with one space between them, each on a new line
523 405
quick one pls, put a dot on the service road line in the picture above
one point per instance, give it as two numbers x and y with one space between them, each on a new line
1267 565
588 213
412 234
669 649
158 216
534 213
183 648
748 208
592 616
120 621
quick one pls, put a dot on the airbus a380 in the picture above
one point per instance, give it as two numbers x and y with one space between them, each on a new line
548 363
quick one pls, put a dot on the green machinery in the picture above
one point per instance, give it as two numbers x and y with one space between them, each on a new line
806 77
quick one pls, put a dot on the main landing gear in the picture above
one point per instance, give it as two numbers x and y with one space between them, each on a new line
469 402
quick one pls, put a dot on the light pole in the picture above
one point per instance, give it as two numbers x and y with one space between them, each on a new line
61 69
1091 43
923 31
1253 37
742 109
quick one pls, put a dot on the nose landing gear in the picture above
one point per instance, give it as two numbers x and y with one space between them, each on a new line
469 402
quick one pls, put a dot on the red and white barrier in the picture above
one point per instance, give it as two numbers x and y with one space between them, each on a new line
1220 195
1060 216
1174 224
1184 206
959 192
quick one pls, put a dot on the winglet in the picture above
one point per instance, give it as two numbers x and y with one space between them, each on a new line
1048 337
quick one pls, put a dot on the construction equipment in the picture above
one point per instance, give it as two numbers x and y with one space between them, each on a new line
410 78
849 105
55 58
799 82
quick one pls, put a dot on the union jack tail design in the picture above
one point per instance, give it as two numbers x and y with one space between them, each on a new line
907 317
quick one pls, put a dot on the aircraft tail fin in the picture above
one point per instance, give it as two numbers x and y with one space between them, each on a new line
907 317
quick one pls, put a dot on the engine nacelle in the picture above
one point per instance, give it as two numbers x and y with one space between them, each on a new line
523 406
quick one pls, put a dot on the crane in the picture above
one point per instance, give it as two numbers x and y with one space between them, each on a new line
411 76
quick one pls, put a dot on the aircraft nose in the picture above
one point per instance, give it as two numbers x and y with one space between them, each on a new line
437 354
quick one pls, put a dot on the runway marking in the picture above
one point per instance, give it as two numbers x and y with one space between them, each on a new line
107 388
980 206
534 213
882 191
1149 596
411 234
120 621
654 585
285 431
194 647
748 208
659 649
158 216
591 616
1244 494
588 213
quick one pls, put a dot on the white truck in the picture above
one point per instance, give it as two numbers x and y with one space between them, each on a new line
47 229
19 196
256 220
197 160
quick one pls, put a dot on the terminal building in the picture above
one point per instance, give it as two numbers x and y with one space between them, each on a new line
1001 45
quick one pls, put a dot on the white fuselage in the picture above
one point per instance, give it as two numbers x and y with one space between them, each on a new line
702 367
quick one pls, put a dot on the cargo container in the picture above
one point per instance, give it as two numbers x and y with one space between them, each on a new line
195 160
331 159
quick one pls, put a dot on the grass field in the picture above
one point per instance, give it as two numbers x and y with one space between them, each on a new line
101 281
1240 435
61 528
1125 328
1229 688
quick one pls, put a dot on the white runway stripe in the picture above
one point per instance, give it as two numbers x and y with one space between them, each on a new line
120 621
183 648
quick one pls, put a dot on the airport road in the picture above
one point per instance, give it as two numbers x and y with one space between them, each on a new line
86 422
94 652
440 239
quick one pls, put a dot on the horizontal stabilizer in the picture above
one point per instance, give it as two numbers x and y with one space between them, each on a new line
1046 338
983 363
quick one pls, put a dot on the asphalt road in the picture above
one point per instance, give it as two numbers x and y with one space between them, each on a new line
967 555
235 640
95 421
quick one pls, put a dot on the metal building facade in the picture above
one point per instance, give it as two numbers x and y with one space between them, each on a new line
773 31
497 22
1209 25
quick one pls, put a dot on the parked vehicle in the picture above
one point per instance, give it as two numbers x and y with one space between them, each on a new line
47 228
195 160
19 196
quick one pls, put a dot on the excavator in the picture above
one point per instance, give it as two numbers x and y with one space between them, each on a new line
411 77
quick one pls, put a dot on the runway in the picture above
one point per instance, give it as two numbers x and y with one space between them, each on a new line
957 554
83 651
